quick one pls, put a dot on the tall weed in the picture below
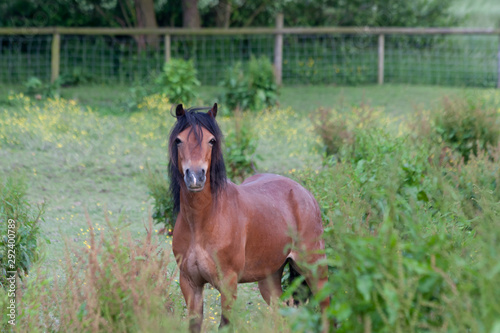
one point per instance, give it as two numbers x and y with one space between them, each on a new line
20 250
468 124
115 284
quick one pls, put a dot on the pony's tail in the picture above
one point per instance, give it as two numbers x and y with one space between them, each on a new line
301 292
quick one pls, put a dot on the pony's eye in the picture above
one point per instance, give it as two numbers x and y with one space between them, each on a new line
211 142
178 141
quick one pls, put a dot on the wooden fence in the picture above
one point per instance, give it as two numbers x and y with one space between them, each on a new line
279 31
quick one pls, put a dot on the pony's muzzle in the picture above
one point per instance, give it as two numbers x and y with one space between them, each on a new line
195 179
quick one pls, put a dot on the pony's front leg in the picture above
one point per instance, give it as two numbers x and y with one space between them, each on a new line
228 289
193 295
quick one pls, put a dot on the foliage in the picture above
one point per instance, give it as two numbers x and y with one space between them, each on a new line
239 149
261 82
376 13
74 78
114 284
14 206
159 189
36 88
252 87
402 232
74 13
236 93
468 124
178 81
338 129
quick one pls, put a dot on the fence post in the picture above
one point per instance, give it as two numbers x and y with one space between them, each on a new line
498 67
55 56
381 58
167 48
278 50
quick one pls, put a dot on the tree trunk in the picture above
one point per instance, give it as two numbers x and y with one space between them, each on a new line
190 14
146 18
223 10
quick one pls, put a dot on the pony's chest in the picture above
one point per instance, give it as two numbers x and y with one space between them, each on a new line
199 263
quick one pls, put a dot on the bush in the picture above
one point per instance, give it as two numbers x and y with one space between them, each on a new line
13 206
36 88
468 124
252 87
178 81
159 188
239 149
338 129
410 238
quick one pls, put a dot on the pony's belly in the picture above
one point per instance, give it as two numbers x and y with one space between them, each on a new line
259 268
248 277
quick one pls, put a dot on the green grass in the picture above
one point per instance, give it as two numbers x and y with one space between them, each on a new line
395 99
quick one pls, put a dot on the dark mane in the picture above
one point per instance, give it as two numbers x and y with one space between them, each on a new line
196 121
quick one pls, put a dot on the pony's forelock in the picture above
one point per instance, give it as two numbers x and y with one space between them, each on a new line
196 121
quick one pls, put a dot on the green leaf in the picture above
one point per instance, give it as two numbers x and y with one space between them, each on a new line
364 285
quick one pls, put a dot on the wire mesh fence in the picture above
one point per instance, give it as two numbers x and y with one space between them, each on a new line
24 56
320 58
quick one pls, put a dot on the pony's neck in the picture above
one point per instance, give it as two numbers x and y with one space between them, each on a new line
196 206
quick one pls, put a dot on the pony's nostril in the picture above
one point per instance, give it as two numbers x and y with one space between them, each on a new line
187 171
203 171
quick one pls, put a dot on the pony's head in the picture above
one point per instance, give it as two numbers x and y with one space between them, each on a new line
195 152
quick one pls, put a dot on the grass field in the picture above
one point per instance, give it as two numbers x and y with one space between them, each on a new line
84 153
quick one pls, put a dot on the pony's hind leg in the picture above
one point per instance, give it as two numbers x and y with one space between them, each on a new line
316 279
270 287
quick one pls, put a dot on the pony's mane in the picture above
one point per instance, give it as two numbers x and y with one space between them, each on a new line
196 121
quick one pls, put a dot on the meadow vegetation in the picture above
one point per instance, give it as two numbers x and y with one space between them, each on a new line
411 211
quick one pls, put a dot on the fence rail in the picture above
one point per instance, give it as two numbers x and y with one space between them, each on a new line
338 55
249 31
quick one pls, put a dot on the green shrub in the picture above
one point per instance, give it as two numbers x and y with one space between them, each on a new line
239 149
178 81
75 77
338 129
411 236
159 188
26 248
236 95
251 87
36 88
468 124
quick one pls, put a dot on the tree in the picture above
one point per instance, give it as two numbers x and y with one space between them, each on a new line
146 18
223 13
190 14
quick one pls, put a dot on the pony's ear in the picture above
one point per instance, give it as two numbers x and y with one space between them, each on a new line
179 111
213 111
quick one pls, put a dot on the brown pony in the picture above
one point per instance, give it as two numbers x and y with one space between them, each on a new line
227 234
